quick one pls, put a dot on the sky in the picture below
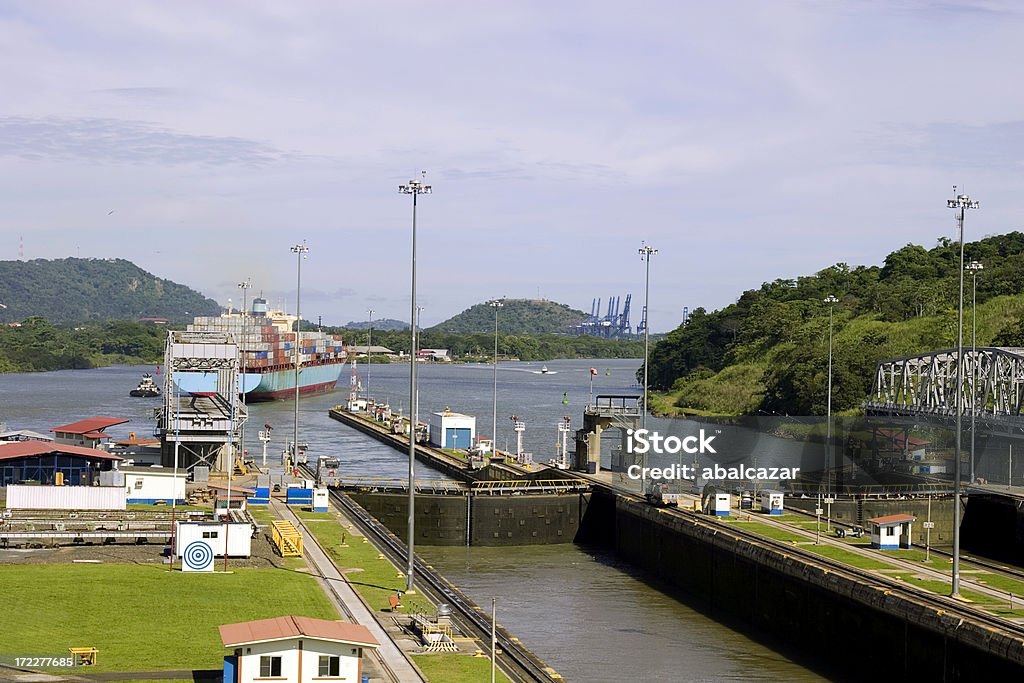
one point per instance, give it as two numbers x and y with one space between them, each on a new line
746 141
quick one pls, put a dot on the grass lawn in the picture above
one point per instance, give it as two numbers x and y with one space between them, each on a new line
307 515
847 557
935 562
773 532
1003 583
457 668
377 579
143 618
943 588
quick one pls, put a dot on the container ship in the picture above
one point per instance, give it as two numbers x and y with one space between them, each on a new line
267 356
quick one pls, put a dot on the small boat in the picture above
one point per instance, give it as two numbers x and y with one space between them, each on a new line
147 388
544 371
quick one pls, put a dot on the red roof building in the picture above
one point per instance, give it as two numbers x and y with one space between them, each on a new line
297 649
892 531
889 520
41 461
283 628
88 433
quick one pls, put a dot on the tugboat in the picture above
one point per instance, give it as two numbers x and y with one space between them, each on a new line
146 389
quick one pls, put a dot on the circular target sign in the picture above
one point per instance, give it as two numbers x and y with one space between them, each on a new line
198 557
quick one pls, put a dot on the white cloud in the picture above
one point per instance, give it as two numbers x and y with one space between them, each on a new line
747 140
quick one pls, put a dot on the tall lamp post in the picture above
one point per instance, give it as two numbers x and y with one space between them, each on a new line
245 286
300 251
369 356
415 188
831 301
974 267
646 252
960 203
496 304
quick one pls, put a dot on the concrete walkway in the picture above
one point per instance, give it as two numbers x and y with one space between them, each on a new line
348 602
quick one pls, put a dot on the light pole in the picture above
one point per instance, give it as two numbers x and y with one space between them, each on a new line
646 252
961 203
496 304
831 301
300 251
415 188
245 286
974 267
369 357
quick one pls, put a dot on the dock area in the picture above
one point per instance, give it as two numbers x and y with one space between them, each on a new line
453 466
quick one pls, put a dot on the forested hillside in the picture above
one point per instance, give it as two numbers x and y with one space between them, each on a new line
38 345
516 316
768 351
75 290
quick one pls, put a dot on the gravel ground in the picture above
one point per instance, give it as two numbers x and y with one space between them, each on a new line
263 554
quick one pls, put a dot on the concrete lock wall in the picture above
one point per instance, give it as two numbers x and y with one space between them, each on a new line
993 526
771 593
492 520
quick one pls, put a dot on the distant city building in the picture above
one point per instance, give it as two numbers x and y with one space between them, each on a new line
363 351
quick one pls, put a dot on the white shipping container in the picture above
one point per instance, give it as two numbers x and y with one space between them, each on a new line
152 484
65 497
239 537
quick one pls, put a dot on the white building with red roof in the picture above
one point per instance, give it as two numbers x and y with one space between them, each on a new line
295 650
88 433
891 532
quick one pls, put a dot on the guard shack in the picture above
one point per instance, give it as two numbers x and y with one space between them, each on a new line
723 501
891 532
772 502
452 430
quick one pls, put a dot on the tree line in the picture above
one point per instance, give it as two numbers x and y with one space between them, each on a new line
768 351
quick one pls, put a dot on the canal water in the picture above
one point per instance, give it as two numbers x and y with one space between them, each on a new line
585 613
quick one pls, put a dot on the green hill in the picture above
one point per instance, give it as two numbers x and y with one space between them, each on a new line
768 351
517 316
75 290
385 324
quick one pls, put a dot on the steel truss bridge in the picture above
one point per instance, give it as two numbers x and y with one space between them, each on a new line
990 381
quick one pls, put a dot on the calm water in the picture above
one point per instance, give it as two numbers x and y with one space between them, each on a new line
586 614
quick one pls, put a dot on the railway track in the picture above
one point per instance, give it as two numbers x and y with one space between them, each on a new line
514 660
340 600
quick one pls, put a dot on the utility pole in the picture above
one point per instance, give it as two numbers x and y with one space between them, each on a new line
496 304
245 286
960 203
974 267
369 357
646 252
300 251
831 301
414 188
